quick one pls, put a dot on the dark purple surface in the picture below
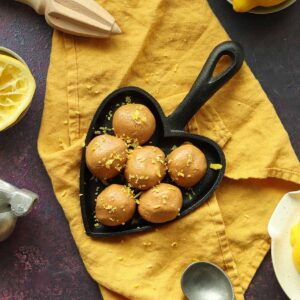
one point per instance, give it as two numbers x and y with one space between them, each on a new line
40 261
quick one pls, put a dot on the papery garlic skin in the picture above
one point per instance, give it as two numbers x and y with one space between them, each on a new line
14 203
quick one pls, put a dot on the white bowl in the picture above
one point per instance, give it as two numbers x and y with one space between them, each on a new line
269 10
285 216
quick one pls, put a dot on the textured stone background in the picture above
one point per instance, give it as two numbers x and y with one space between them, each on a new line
40 260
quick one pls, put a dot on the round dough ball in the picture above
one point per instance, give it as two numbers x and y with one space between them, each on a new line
106 156
145 167
115 205
187 165
161 203
134 122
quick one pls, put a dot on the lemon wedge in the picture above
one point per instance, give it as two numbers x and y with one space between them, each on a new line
246 5
295 243
17 87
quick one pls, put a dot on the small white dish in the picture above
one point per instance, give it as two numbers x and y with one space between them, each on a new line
269 10
285 216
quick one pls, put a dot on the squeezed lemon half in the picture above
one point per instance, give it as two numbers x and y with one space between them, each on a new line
295 243
17 87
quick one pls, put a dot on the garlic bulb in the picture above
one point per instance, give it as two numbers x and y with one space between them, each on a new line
14 203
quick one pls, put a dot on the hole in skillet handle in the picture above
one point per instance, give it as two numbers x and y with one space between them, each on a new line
169 133
222 65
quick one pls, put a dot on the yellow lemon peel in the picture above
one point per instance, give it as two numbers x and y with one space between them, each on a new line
246 5
216 166
295 242
17 87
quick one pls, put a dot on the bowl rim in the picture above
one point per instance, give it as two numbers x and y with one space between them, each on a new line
11 53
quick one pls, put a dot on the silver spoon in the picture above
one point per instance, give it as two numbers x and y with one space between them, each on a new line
206 281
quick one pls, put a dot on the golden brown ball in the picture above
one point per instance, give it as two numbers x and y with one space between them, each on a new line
187 165
106 156
115 205
160 204
134 121
145 167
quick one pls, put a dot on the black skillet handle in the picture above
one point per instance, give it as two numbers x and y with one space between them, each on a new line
206 84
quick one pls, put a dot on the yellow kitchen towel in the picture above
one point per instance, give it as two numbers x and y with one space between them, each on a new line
162 49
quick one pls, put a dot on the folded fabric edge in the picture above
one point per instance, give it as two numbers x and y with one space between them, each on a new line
279 173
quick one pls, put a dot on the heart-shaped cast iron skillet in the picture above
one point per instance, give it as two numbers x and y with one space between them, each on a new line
169 133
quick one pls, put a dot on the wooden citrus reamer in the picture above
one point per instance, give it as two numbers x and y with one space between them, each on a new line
78 17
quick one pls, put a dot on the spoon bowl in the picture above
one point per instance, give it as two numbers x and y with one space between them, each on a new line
205 281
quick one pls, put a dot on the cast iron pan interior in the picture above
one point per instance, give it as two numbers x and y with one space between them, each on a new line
169 132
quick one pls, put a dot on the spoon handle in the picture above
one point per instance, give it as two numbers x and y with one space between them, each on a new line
38 5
